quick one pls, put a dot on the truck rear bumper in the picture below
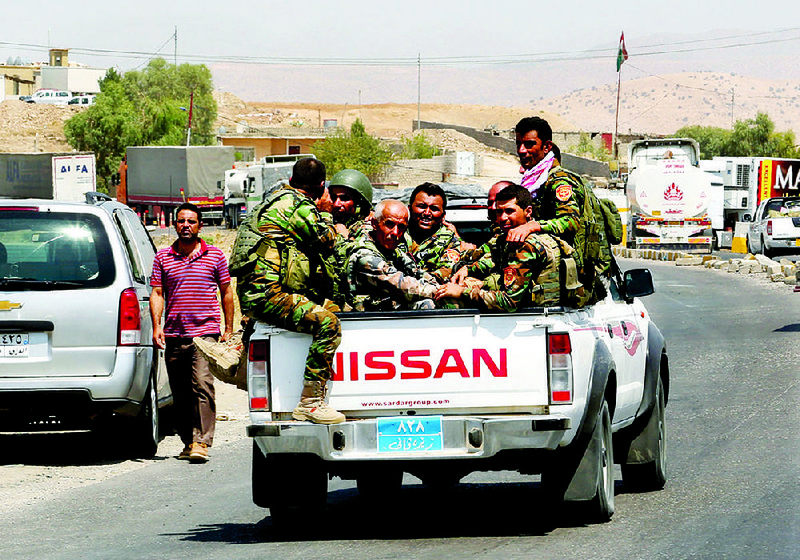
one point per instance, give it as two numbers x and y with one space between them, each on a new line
462 437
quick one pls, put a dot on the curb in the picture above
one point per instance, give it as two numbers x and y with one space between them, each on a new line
783 271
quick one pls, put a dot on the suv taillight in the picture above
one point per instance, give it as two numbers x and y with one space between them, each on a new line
769 227
559 363
130 319
258 356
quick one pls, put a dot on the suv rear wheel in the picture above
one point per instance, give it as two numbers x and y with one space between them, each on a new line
145 429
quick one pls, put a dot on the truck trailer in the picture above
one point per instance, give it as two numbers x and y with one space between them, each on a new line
54 176
155 180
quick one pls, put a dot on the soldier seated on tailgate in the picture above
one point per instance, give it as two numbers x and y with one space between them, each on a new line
434 246
380 274
510 276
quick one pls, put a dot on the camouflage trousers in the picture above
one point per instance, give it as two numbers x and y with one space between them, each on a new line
266 301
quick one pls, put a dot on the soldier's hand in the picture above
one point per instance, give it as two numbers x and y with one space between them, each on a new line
459 276
519 233
324 203
342 230
449 290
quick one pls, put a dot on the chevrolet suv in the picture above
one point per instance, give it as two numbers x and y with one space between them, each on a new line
76 348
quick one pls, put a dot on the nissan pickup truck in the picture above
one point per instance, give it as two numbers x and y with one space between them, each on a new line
775 227
559 392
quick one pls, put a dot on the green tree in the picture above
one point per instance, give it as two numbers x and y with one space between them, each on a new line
419 146
751 137
146 107
587 148
353 150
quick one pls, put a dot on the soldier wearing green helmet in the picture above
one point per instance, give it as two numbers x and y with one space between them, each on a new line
351 195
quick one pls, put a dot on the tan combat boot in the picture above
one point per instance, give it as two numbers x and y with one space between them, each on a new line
312 405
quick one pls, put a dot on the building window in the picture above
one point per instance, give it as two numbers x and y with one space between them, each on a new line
294 150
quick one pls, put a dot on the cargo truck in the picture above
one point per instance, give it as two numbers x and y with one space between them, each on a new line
672 201
155 180
53 176
748 181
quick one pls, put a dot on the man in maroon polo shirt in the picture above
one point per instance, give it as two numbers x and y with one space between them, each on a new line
185 278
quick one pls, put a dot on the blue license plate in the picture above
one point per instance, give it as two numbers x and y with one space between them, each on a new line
402 434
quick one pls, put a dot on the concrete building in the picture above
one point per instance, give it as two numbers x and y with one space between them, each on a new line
252 144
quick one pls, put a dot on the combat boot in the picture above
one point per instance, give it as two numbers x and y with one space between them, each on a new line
312 405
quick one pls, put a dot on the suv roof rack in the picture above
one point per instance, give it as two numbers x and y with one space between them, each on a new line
95 197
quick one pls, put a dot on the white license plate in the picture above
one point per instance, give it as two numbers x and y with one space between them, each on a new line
14 345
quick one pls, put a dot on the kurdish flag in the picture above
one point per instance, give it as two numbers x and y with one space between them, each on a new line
622 53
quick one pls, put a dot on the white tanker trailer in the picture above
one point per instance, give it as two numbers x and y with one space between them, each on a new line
672 202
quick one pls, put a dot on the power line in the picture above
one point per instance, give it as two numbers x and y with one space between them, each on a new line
740 41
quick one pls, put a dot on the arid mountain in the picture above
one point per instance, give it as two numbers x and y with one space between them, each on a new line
664 104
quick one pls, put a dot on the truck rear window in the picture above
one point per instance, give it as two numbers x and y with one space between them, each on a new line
49 250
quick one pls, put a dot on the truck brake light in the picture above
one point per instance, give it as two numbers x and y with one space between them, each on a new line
258 357
769 227
559 364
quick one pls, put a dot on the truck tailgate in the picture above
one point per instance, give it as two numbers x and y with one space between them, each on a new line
396 365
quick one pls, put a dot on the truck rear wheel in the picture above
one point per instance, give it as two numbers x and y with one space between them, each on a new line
290 485
600 508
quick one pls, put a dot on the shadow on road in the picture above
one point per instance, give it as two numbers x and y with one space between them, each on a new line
63 449
416 512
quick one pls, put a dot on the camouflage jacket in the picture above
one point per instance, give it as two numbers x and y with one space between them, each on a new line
296 247
555 204
438 253
516 275
377 281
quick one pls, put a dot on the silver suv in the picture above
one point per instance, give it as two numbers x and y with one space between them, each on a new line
76 348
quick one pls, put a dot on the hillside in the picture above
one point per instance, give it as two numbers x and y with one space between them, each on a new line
663 104
655 105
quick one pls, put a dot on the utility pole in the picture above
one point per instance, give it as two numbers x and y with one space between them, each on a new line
175 53
419 66
733 91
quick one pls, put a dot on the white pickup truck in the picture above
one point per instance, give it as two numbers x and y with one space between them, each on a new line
775 226
564 393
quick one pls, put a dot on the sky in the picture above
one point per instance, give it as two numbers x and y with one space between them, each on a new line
468 51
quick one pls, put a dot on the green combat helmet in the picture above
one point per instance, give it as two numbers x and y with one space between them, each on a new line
358 182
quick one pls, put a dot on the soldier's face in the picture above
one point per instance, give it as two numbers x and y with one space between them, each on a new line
427 212
491 201
389 230
344 205
511 215
530 149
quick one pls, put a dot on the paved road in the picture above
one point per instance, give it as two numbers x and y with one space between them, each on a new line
734 488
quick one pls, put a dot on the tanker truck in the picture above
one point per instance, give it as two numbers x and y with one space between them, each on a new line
246 184
673 204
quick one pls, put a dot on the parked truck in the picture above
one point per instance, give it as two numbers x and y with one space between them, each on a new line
56 176
748 181
775 227
246 184
560 392
155 180
672 201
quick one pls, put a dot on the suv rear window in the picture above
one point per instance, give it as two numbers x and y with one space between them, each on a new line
53 250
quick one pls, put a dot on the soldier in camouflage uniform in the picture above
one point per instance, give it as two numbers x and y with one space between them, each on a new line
381 276
286 271
351 195
508 276
433 245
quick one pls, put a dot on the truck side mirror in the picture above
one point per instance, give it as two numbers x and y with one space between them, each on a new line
638 283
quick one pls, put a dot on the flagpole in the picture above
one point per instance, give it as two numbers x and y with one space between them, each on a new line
616 124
